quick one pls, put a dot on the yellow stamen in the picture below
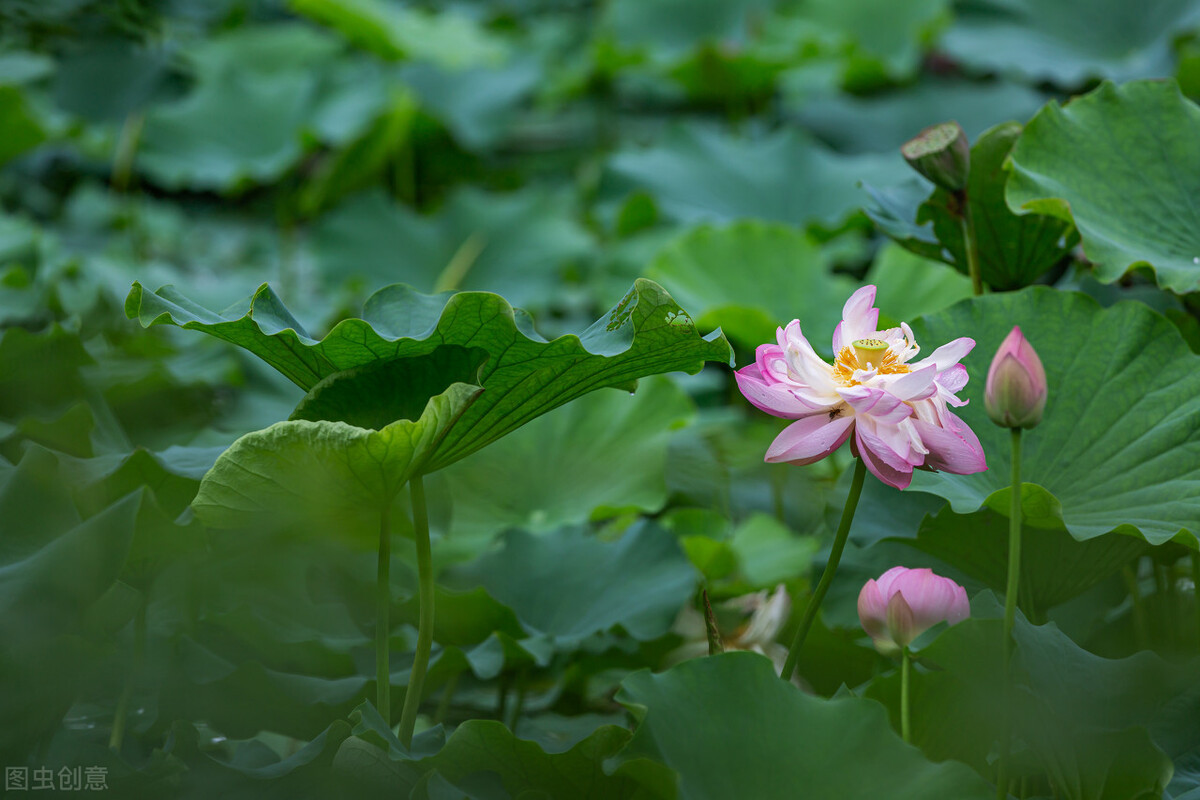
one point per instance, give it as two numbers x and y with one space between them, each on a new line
847 362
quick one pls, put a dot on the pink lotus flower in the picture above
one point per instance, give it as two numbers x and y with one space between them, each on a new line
897 409
1015 394
904 603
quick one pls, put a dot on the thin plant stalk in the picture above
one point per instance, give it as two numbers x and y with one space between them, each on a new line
1196 593
905 673
971 246
1129 573
117 737
835 555
443 707
416 681
383 627
1010 604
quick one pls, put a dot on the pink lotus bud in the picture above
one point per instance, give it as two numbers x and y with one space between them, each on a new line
904 603
942 154
1015 394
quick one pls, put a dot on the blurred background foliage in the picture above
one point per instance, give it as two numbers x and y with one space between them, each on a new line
550 151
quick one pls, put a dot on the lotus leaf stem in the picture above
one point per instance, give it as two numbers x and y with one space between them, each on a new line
416 680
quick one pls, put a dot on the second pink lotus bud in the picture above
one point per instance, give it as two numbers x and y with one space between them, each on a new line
903 603
1015 394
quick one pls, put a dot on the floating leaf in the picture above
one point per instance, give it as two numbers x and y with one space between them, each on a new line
1119 163
702 175
394 32
524 376
516 244
1045 41
258 92
881 124
731 728
1115 448
572 585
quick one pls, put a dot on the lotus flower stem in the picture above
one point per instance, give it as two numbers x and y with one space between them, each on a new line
416 680
117 736
1010 603
383 608
835 555
905 672
970 245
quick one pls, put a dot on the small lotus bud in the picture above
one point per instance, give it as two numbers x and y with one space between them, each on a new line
942 154
1015 394
903 603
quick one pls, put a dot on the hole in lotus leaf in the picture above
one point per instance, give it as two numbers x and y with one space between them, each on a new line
377 394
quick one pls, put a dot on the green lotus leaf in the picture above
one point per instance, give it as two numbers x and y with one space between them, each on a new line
882 123
751 277
23 130
731 728
478 105
331 478
515 244
907 285
524 376
1013 250
1118 162
603 454
1122 423
55 568
699 174
572 585
1054 566
1099 728
880 41
261 95
451 39
1045 41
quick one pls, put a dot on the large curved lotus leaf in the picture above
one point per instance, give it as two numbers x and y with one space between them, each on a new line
698 174
1054 566
1101 729
571 584
327 477
1045 41
1117 446
523 377
750 277
603 454
731 728
1013 249
1120 163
